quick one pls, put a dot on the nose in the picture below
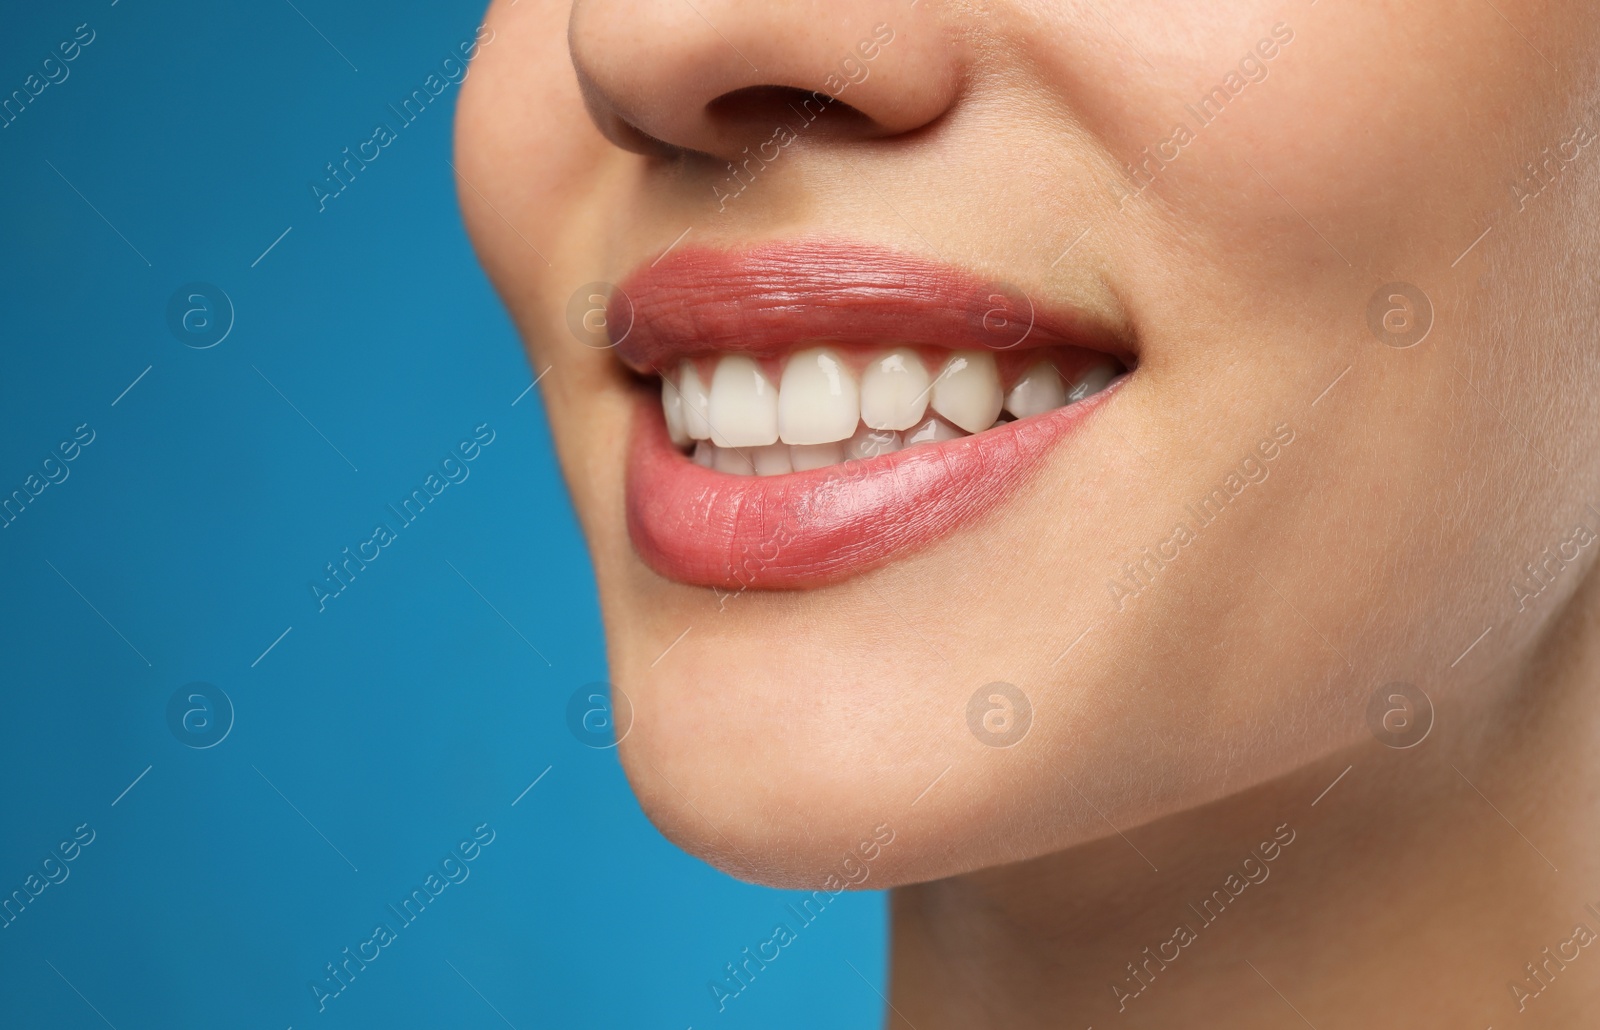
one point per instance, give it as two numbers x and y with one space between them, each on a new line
705 75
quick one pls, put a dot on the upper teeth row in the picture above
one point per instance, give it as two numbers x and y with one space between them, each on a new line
818 399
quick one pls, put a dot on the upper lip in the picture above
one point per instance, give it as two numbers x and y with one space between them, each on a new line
770 299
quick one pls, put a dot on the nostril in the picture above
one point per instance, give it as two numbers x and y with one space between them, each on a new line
761 108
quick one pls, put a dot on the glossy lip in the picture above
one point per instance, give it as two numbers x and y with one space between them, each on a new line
803 529
770 299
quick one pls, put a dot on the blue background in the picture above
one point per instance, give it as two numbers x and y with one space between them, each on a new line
373 736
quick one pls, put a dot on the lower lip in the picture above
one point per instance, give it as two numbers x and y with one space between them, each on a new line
805 529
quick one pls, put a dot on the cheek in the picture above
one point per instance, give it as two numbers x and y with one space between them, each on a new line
527 169
1400 157
533 184
1391 137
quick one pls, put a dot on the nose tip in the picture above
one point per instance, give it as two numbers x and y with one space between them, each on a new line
704 76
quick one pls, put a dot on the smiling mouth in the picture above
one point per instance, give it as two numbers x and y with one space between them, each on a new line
823 407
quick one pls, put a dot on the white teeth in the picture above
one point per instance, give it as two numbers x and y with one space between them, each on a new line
818 401
894 390
822 415
692 393
967 390
772 460
1092 381
933 431
1039 390
814 456
870 443
672 407
743 409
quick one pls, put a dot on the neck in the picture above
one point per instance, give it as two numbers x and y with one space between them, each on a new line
1442 885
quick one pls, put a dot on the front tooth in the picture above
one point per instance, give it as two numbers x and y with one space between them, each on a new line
772 460
705 454
1038 391
672 408
967 390
743 409
818 400
869 443
933 431
805 457
695 400
894 391
1092 381
736 461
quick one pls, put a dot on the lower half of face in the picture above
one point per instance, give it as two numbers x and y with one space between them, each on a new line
1090 441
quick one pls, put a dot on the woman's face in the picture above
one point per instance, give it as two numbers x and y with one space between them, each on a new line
1305 483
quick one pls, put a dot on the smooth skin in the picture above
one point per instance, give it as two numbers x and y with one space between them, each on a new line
1174 729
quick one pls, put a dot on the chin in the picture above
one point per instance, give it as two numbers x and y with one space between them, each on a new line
859 735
